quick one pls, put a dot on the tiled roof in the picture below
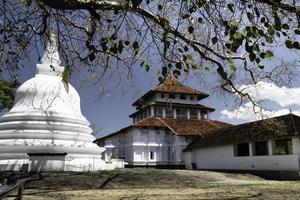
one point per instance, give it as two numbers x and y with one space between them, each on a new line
171 85
174 86
181 127
277 127
193 126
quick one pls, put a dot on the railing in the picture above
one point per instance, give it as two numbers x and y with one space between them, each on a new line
8 189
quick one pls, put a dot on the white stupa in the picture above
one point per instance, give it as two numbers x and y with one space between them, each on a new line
45 130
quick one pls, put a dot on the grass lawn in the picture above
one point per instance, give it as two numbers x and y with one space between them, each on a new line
143 183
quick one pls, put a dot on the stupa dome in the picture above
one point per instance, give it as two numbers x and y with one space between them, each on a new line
45 129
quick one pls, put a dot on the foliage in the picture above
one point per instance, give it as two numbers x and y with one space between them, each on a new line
235 40
7 94
279 151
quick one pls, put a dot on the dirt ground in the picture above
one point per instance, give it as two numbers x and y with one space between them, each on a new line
143 183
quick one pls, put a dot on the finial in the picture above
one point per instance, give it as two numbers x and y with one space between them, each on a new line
51 55
50 61
290 110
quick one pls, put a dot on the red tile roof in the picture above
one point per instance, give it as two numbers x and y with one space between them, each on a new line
171 85
180 127
277 127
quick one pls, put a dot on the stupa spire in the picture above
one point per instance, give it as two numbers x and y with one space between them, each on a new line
50 61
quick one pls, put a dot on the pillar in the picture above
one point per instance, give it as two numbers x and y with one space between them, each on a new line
270 147
199 114
296 145
188 113
174 113
164 112
250 149
152 111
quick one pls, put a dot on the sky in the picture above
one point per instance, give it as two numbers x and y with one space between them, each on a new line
109 113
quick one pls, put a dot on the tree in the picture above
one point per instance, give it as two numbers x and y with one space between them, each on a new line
7 94
234 39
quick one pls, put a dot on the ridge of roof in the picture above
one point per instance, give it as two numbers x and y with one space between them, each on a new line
168 126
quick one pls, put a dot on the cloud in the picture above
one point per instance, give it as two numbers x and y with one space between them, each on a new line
284 96
262 91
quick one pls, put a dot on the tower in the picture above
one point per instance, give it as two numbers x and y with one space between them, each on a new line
45 130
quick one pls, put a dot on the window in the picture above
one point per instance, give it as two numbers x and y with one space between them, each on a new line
261 148
183 96
169 113
162 95
283 147
193 114
172 96
203 114
242 149
192 97
158 112
181 113
151 155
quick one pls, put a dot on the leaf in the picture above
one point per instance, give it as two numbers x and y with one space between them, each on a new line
147 67
257 12
136 3
191 29
289 44
178 65
250 16
269 39
135 45
296 45
252 56
127 43
120 47
91 57
268 54
297 31
27 2
66 77
207 70
176 73
164 71
159 7
230 6
189 57
214 40
261 66
233 68
285 26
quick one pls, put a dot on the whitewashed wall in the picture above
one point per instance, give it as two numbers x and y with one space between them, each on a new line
222 157
137 144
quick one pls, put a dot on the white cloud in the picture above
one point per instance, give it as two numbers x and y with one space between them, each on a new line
284 96
263 91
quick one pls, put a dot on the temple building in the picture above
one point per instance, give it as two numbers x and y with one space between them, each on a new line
166 120
271 146
45 130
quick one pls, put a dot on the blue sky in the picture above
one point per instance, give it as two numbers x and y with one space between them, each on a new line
110 112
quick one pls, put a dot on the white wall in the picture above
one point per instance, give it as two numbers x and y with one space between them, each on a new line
176 100
137 144
222 157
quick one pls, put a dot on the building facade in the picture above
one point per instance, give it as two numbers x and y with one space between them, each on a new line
266 145
166 120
